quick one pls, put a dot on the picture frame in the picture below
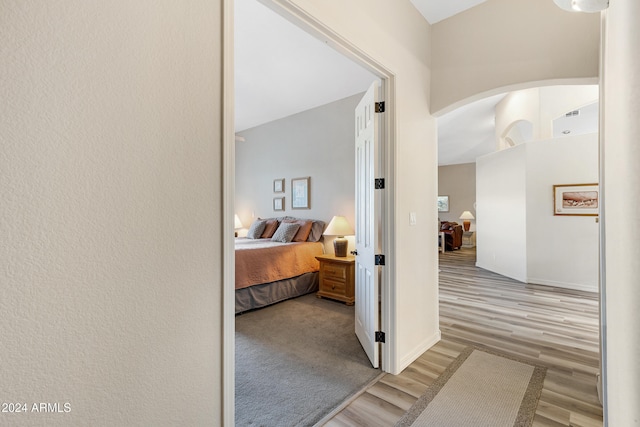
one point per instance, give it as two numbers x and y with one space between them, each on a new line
443 203
300 193
576 199
278 185
278 203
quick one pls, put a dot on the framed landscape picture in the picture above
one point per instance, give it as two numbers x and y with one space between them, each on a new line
443 203
576 199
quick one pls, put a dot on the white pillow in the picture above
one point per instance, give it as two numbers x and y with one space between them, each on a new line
256 229
285 232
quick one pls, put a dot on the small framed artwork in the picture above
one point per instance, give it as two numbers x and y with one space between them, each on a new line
278 185
278 203
443 203
576 199
300 193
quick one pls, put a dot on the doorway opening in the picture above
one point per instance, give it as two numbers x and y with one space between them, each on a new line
388 90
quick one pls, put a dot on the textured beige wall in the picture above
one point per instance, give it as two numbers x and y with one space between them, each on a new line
505 43
110 258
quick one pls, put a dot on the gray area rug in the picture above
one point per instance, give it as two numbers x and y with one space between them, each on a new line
478 389
296 361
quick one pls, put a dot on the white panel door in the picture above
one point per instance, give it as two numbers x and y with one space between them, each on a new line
367 231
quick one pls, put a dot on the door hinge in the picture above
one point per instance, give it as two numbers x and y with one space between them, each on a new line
379 336
379 259
379 108
378 183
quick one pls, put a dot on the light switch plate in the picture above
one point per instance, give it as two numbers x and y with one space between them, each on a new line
412 218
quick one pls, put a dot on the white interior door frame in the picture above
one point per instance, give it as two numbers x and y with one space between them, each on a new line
300 17
308 23
228 353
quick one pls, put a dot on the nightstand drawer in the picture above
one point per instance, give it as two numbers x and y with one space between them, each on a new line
333 286
335 271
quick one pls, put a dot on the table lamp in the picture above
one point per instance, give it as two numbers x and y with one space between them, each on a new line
237 224
466 218
339 226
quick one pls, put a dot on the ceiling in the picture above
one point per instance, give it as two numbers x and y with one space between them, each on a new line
437 10
468 132
281 70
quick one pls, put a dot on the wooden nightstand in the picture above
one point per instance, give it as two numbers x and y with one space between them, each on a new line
337 278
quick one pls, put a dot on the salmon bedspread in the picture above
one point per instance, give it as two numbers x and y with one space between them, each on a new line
264 261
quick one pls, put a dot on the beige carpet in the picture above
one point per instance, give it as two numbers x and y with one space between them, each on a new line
296 361
480 389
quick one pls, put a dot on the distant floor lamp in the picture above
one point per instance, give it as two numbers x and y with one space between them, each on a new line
339 226
466 218
237 224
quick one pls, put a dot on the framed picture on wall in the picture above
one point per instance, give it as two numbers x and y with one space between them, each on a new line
443 203
278 203
576 199
300 193
278 185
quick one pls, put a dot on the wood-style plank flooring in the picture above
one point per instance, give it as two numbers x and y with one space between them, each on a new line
553 327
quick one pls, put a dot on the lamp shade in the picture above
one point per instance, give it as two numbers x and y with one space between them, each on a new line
467 215
339 226
237 223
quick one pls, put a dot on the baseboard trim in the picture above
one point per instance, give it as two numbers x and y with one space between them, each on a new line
564 285
417 352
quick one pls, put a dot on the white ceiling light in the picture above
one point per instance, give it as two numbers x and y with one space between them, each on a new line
582 5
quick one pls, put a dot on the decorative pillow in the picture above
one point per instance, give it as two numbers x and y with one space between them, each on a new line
317 227
316 231
256 229
270 227
303 232
285 232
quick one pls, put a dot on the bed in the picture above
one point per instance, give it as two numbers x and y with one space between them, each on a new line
270 269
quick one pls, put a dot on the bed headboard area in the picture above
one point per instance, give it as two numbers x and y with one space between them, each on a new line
307 230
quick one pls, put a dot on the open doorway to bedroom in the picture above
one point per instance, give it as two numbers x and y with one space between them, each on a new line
295 103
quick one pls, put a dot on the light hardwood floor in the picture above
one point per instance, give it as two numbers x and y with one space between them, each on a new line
552 327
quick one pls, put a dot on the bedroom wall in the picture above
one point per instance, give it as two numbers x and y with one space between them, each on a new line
459 183
498 44
110 212
318 143
397 36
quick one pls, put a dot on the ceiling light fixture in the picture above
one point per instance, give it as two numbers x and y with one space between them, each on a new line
589 6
